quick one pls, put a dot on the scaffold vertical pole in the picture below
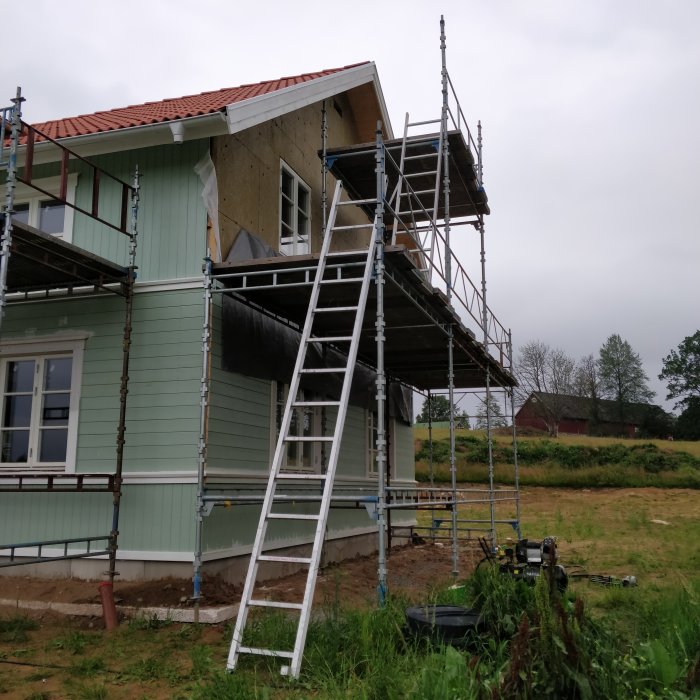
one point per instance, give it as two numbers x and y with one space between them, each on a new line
124 382
381 378
430 459
10 186
516 466
203 425
449 281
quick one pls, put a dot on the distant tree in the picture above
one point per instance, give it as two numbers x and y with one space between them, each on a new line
687 425
656 423
622 376
548 372
497 418
440 411
587 384
682 371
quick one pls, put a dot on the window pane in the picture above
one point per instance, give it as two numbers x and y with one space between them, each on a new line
55 409
18 412
302 224
303 199
21 213
287 213
15 445
287 184
51 216
57 373
20 376
52 445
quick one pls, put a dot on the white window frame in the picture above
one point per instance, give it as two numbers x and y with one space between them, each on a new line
315 412
294 242
20 349
28 195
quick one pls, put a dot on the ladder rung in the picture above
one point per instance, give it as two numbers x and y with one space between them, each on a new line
413 193
355 202
309 438
291 476
433 154
274 603
299 404
283 559
342 280
266 652
331 309
330 339
352 227
423 174
324 370
292 516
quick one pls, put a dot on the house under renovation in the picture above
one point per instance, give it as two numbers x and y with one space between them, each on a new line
216 310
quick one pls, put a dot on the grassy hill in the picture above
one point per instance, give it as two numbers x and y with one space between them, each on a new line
569 460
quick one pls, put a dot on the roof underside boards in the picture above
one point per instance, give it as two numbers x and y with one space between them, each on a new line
417 315
41 262
355 166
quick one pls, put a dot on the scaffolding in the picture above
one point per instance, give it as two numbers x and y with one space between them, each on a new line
419 188
36 266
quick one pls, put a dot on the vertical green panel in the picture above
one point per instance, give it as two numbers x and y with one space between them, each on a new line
153 517
172 217
162 418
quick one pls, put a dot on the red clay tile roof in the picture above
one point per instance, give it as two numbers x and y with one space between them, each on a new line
174 108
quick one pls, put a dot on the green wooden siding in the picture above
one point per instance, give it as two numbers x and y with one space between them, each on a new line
164 375
154 518
171 219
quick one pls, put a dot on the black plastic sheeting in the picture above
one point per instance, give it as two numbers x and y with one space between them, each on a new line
257 345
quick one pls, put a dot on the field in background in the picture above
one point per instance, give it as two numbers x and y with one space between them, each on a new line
576 461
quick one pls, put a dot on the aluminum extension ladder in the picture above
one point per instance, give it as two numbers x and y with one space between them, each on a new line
405 198
319 306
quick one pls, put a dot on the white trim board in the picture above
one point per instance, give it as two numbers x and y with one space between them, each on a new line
243 115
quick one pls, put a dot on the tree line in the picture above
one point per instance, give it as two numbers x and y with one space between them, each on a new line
615 375
550 378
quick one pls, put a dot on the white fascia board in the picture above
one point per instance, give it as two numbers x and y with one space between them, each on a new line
256 110
130 138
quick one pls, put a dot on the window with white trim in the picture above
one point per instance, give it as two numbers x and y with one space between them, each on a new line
48 215
39 409
295 213
306 421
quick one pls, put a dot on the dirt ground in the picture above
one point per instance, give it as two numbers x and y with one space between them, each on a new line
413 571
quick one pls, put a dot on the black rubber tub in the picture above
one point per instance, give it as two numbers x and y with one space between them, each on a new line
444 624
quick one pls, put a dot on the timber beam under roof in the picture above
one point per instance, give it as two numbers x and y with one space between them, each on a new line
418 316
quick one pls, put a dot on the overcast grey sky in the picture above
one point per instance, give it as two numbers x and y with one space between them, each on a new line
590 108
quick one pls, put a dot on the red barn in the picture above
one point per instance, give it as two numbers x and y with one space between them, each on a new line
580 415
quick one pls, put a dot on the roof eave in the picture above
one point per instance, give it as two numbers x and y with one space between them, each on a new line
256 110
132 137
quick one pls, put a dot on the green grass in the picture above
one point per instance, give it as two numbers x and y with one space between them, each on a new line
570 461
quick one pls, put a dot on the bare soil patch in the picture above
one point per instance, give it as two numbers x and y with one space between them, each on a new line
413 571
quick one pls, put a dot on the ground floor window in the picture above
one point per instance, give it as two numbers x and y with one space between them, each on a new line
306 422
39 409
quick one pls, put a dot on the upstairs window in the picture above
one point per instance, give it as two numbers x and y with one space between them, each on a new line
295 213
48 215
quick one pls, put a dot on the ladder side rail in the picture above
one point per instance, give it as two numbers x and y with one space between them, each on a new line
280 446
333 462
396 195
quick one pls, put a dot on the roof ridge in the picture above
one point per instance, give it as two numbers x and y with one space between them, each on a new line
152 106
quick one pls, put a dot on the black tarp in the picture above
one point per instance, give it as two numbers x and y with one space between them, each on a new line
257 345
